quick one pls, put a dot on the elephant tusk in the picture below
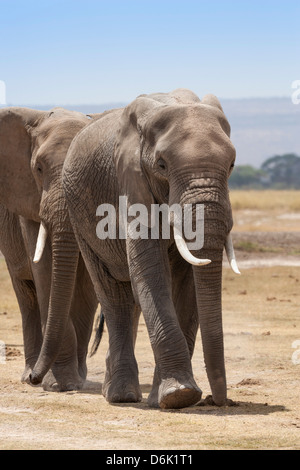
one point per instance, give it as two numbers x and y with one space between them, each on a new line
40 244
230 254
185 252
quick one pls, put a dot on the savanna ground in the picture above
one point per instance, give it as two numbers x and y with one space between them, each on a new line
261 311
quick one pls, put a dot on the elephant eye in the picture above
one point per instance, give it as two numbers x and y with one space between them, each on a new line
39 169
161 164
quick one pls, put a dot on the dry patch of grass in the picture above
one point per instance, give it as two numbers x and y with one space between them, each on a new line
261 322
265 246
252 247
265 200
265 211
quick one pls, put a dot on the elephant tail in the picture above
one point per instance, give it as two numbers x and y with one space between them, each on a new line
98 335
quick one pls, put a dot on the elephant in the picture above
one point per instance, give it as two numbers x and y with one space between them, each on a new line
52 285
163 148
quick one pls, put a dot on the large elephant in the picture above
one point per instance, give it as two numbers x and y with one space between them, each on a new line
161 149
54 291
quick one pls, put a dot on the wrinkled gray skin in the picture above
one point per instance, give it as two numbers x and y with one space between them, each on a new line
55 295
162 148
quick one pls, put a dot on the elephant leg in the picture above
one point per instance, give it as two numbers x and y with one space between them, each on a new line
64 374
136 318
121 316
184 299
83 309
153 287
14 251
64 371
121 379
31 322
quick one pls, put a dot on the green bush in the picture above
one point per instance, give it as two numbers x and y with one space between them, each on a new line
277 172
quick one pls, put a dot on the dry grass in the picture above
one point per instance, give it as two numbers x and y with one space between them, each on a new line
261 322
266 211
265 200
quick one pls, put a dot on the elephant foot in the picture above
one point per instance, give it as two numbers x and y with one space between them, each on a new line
25 378
153 398
172 394
181 397
127 394
58 382
210 401
118 391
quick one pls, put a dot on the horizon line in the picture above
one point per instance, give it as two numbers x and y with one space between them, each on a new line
127 102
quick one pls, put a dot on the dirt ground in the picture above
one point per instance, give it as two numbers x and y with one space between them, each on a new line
262 348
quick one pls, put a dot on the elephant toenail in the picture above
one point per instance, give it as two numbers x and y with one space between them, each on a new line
130 397
34 378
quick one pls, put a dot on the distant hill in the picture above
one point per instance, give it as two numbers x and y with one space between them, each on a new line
260 128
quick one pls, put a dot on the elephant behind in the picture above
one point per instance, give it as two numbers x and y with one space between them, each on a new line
53 288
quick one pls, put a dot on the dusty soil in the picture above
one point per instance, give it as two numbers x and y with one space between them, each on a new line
262 347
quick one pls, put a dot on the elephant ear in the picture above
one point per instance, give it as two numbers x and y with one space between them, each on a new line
127 154
213 101
18 190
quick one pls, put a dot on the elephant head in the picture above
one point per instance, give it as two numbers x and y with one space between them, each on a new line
33 146
178 148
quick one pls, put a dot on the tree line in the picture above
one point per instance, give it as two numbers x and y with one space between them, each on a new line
277 172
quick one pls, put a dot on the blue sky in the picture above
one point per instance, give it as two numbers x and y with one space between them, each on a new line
78 52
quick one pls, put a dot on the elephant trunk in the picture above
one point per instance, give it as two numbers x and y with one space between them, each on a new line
208 287
216 226
64 266
208 282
